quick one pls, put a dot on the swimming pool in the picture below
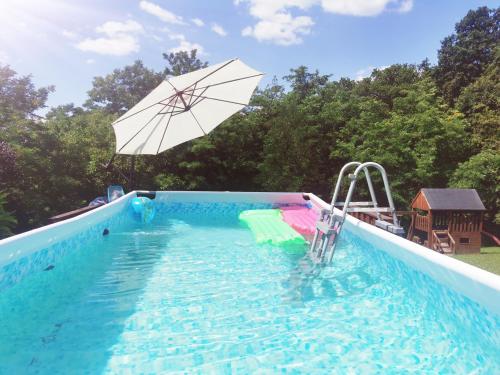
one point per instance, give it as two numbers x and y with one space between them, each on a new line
193 292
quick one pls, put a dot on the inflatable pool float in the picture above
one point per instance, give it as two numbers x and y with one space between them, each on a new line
143 209
302 219
268 227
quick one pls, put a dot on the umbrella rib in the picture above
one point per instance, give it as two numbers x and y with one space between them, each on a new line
165 130
192 114
196 101
158 123
170 83
192 93
142 110
222 100
215 71
204 77
229 81
172 106
141 129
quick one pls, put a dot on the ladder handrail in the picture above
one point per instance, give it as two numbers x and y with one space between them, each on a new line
386 185
339 184
330 224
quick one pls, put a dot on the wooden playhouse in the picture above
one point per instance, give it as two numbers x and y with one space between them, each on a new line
447 220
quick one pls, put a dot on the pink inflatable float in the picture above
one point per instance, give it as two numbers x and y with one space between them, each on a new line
300 218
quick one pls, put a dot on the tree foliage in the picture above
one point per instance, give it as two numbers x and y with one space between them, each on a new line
19 99
121 90
182 62
464 55
482 172
7 220
480 103
304 83
7 162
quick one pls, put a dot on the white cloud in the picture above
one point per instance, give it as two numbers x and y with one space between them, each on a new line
90 61
119 46
113 28
218 29
267 8
366 72
161 13
281 28
276 24
365 7
185 45
120 39
69 34
198 22
405 6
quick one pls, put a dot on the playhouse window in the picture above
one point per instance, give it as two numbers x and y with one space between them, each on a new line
464 240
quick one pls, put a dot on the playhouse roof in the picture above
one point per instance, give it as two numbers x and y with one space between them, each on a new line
452 199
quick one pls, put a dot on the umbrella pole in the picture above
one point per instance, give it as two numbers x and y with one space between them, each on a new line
109 165
110 162
132 172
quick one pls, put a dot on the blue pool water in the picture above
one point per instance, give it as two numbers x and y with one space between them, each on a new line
191 294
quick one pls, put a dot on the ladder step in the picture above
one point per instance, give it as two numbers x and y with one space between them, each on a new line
325 228
354 204
369 209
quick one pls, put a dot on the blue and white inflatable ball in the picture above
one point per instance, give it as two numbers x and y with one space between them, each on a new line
143 209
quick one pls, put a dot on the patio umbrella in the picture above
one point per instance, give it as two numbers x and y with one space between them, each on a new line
185 107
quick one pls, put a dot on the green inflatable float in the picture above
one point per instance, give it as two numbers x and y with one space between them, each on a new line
268 227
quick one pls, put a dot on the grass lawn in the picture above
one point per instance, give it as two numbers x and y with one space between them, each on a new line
488 259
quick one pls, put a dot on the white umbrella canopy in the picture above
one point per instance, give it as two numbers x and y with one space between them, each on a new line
185 107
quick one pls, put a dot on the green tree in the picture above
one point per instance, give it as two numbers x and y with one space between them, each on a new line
482 172
18 97
418 142
182 62
59 163
480 103
301 132
19 102
304 83
120 90
8 172
8 169
7 221
464 55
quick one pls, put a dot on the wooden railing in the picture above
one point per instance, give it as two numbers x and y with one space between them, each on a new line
370 217
367 217
442 241
421 222
464 222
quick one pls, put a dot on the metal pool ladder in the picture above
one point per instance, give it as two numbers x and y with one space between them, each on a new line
331 220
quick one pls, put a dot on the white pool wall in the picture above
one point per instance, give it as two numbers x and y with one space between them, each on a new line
24 244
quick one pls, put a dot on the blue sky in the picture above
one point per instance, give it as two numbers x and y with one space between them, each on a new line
68 42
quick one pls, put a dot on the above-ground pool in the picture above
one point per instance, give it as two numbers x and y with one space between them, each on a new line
193 292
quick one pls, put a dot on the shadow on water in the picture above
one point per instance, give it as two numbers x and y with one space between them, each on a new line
70 315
